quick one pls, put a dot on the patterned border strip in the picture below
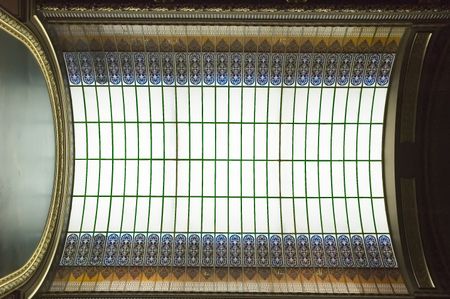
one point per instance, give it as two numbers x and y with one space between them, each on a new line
405 15
233 250
223 68
79 281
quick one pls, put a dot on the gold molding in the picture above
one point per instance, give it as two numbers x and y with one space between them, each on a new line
117 14
53 224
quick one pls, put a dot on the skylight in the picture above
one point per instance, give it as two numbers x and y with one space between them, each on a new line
258 158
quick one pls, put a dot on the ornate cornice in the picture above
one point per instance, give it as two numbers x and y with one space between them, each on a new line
246 11
146 14
52 226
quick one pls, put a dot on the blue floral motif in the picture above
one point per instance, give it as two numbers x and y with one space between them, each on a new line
180 250
370 75
208 68
317 69
303 72
262 251
181 68
304 253
166 250
236 71
345 251
359 254
385 69
152 250
112 248
87 68
70 250
127 68
317 251
290 254
84 250
195 69
221 250
330 69
193 250
276 69
289 69
222 68
358 70
73 69
276 251
387 252
154 68
344 69
101 74
138 250
98 248
234 68
249 69
263 69
207 250
125 249
373 254
140 67
331 253
235 250
249 250
168 74
113 67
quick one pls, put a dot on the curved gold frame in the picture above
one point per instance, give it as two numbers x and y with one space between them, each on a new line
53 225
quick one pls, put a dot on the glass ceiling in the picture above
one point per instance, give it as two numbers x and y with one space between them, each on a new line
260 159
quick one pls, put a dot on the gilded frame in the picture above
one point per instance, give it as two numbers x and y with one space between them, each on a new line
45 57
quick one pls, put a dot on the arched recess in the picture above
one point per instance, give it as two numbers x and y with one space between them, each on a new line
49 158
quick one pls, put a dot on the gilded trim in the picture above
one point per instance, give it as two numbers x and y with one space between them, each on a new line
53 225
407 186
400 192
389 154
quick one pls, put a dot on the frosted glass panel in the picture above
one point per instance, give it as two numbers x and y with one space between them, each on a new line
231 161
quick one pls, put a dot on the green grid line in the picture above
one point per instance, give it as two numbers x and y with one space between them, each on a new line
176 166
331 173
228 160
240 173
138 151
99 152
87 154
203 145
150 141
305 174
189 163
292 164
215 170
347 86
267 156
125 161
231 196
228 123
228 169
254 169
279 164
112 162
164 149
